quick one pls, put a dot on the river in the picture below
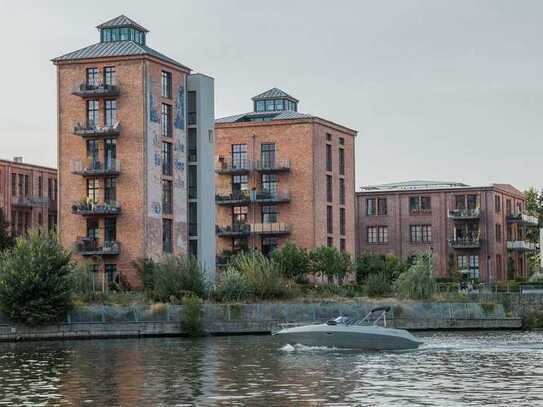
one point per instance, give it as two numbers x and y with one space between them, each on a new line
450 369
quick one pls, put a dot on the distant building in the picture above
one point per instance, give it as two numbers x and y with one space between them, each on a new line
480 230
128 117
28 195
283 175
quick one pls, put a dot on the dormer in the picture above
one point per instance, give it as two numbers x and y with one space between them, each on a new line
274 100
122 29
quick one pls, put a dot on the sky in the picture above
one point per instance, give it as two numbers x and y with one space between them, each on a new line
438 90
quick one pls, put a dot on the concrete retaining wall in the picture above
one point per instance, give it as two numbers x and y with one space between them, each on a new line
164 320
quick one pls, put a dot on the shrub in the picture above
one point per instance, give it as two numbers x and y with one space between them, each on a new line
175 277
35 287
234 286
293 261
377 285
192 316
330 262
146 269
417 283
6 241
389 267
82 280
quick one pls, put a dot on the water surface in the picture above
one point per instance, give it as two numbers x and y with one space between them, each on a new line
450 369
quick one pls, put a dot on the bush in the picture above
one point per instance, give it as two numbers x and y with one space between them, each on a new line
192 316
234 286
293 261
389 267
417 283
378 285
146 269
35 287
82 280
6 241
330 262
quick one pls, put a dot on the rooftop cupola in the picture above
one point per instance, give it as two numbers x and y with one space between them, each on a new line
275 100
122 29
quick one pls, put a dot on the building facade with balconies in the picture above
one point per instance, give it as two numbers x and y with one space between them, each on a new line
479 231
125 116
28 196
283 175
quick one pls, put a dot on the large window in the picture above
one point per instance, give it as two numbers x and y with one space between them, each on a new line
193 219
110 77
420 233
92 228
328 157
376 206
239 215
465 201
341 221
166 84
240 185
192 144
110 229
92 113
92 150
420 204
193 182
342 191
329 193
377 234
122 34
110 117
167 234
497 203
260 106
269 184
191 108
111 274
167 197
267 154
110 190
93 189
92 77
269 214
498 232
239 155
269 244
469 266
341 161
329 219
166 120
167 164
110 153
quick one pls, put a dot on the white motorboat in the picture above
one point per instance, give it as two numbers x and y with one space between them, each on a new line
344 332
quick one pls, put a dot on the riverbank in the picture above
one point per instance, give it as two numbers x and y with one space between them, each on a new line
138 320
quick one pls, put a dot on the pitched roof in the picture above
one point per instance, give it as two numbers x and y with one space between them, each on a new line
415 184
121 21
115 49
274 93
282 115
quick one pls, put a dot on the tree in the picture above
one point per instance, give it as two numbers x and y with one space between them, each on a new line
534 207
330 262
389 266
417 283
35 287
6 241
293 261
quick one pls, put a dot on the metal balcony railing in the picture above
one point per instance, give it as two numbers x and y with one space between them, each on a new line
92 130
94 168
97 89
242 197
85 208
521 245
30 201
270 228
233 230
464 214
272 165
88 246
272 196
233 166
523 218
465 243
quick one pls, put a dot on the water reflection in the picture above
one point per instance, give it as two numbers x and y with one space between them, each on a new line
450 369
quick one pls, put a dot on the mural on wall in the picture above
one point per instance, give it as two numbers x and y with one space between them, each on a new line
180 174
153 109
179 122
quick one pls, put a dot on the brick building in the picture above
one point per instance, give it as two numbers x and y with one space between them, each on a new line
480 231
126 114
28 195
283 175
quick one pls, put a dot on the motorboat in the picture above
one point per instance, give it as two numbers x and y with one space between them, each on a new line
344 332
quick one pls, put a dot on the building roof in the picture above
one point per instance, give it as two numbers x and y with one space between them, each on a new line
115 49
122 21
277 115
274 93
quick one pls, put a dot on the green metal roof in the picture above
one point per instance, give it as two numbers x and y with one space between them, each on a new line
121 21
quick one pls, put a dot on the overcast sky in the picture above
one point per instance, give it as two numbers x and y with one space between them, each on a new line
439 90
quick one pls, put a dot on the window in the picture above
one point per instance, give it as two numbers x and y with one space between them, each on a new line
341 141
193 182
371 234
420 233
239 155
509 232
269 244
420 204
240 185
111 274
341 161
110 193
497 203
269 184
329 220
92 113
166 120
40 219
328 137
462 263
14 184
239 244
269 214
377 234
371 208
508 208
382 234
328 157
110 229
260 106
329 241
167 164
92 77
92 228
40 186
239 215
460 202
342 245
267 154
342 191
498 232
50 188
167 197
110 117
193 219
192 144
92 150
471 201
499 267
269 105
166 84
474 267
382 206
342 221
110 77
27 185
93 190
193 248
329 193
279 105
167 233
191 108
110 153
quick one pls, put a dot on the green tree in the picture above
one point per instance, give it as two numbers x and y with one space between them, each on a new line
330 262
534 207
293 261
390 267
6 241
35 287
417 283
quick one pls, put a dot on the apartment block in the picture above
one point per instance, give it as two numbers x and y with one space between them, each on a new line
477 230
123 113
28 196
283 175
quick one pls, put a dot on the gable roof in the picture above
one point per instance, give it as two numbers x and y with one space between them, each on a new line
274 93
116 49
122 21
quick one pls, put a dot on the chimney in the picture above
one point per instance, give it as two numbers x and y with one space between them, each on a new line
18 159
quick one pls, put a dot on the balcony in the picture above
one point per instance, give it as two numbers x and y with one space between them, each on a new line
523 219
464 214
272 165
269 197
30 201
95 168
521 246
88 246
83 208
233 230
236 167
270 228
465 243
90 130
238 198
93 90
191 118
